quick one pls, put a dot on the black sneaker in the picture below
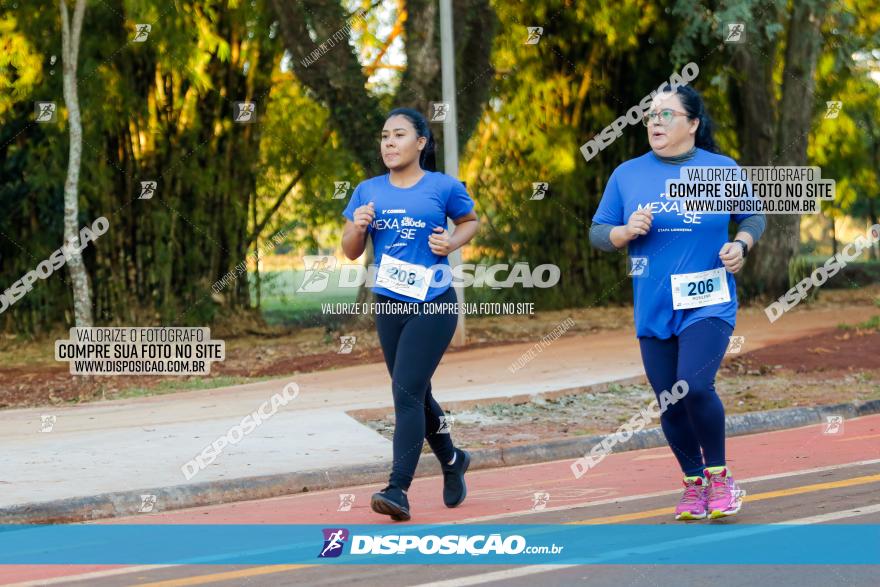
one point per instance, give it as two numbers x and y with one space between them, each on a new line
454 488
391 501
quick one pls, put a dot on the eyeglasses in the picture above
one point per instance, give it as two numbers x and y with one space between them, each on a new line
664 116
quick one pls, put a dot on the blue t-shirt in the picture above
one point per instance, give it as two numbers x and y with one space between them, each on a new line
406 217
678 242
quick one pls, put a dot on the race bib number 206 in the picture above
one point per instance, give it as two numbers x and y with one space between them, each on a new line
695 290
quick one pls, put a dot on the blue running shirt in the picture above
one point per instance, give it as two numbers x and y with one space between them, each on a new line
406 217
678 242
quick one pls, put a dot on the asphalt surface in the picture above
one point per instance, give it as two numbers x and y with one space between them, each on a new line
804 475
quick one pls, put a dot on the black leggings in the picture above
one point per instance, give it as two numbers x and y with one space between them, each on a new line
413 344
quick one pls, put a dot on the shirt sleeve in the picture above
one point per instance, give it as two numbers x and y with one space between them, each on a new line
459 202
353 203
610 209
754 225
600 237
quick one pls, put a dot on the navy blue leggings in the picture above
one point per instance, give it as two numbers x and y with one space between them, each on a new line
413 345
696 421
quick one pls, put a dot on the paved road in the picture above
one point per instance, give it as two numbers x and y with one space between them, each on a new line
800 475
140 444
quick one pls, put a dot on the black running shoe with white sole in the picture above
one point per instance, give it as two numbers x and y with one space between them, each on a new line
391 501
454 488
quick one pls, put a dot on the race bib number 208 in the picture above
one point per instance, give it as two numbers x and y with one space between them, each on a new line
408 279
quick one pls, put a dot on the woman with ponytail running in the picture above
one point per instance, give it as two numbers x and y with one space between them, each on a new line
405 212
682 336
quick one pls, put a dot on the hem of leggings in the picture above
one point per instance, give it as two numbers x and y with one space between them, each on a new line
399 485
683 328
685 325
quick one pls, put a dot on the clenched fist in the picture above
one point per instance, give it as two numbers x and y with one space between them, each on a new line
363 216
439 242
639 223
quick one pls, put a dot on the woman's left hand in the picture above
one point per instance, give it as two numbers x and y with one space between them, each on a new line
439 242
731 254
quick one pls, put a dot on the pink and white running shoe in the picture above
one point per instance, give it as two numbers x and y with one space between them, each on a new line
692 505
724 497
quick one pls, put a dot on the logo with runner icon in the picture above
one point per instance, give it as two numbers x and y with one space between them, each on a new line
446 423
142 33
540 500
735 345
833 425
534 35
245 112
736 33
148 502
346 500
346 344
832 108
148 188
45 111
340 189
439 111
539 190
637 266
47 422
334 540
317 273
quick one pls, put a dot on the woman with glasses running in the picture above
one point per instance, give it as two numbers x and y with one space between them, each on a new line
684 291
404 212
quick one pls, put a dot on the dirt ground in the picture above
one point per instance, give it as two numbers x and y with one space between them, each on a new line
29 375
837 365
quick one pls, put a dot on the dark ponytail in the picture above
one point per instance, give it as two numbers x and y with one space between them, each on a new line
693 104
427 159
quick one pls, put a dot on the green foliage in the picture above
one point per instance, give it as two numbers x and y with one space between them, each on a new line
547 99
281 304
158 110
162 110
872 323
847 148
21 67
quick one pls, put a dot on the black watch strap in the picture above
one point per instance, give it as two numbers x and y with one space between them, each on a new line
745 247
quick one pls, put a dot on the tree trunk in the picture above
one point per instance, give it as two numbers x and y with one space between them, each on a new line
872 210
257 282
872 216
768 139
833 236
70 36
336 76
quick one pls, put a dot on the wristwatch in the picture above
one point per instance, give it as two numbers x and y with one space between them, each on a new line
744 246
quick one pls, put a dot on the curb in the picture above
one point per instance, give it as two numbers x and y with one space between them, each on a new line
128 503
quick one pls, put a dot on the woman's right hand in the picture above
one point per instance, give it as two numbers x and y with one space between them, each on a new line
363 216
639 223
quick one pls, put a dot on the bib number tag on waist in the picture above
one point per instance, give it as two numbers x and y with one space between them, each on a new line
695 290
408 279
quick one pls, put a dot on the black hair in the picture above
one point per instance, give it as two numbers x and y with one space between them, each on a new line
427 159
695 107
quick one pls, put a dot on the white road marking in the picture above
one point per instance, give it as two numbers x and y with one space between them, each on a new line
532 569
517 572
627 498
92 575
